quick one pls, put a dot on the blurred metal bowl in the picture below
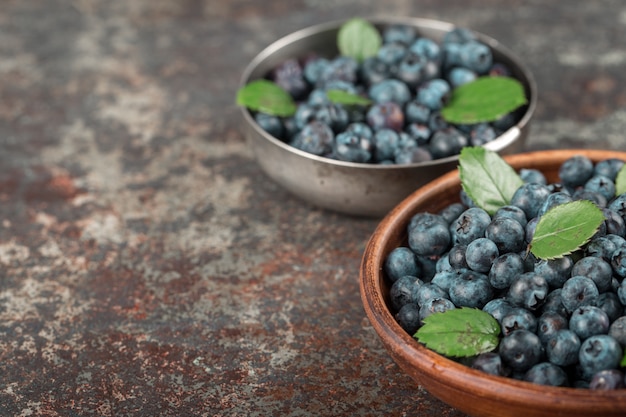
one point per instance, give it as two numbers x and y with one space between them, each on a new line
357 188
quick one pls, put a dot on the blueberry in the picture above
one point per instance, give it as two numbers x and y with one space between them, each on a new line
530 198
416 112
458 76
598 353
608 167
374 70
529 290
289 76
554 199
480 254
594 196
401 261
341 68
427 48
481 134
546 373
597 269
505 269
305 113
420 132
314 68
549 323
475 56
411 69
617 330
411 155
601 184
350 147
437 122
618 262
609 303
470 225
621 292
428 234
401 291
316 138
444 279
511 212
271 124
458 36
435 305
434 94
587 321
334 115
318 98
471 289
532 175
408 317
608 379
521 350
452 211
386 115
555 271
428 291
392 53
508 234
390 90
554 303
399 33
498 308
562 347
456 257
614 222
518 318
531 226
447 142
386 143
575 171
499 69
491 363
601 247
579 291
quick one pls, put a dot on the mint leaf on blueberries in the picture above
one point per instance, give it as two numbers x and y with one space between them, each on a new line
358 39
267 97
484 100
487 178
460 332
620 181
565 228
343 97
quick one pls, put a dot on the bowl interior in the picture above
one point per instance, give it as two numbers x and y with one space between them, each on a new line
470 391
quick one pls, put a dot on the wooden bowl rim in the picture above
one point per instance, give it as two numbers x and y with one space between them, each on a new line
447 371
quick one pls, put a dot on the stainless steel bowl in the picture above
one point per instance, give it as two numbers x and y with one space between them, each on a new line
357 188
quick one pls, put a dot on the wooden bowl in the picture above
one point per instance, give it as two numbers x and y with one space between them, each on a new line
470 391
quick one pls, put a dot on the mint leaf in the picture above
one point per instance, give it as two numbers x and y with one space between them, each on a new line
483 100
620 181
460 332
358 39
565 228
623 362
486 178
343 97
266 97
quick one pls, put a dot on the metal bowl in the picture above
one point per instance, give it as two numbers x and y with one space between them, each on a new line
471 391
357 188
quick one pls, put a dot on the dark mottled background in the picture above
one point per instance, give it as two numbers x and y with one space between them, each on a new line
148 268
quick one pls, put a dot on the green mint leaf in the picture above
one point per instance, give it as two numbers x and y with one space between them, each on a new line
483 100
623 362
358 39
565 228
460 332
487 178
266 97
343 97
620 181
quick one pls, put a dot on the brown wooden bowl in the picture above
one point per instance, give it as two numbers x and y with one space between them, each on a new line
470 391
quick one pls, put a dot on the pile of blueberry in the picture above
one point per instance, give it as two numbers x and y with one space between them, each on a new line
563 321
408 81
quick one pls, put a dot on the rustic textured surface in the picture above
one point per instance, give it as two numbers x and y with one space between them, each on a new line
147 267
